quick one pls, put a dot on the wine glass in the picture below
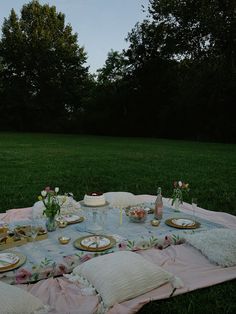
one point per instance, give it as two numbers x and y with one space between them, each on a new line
34 229
194 206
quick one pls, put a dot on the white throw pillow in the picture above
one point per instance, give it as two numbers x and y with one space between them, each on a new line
123 199
218 245
15 300
122 276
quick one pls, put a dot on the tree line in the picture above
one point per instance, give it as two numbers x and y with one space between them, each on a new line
176 79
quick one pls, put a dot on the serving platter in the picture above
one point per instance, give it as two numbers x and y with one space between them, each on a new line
18 259
182 223
95 243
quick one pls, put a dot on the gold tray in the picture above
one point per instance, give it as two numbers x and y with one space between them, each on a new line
170 223
78 245
7 242
18 264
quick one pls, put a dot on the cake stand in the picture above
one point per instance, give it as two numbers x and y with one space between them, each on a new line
98 214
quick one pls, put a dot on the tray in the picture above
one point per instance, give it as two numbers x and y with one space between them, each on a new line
184 223
22 259
77 243
7 242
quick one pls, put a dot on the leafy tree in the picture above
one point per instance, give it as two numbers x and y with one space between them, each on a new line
187 48
198 29
114 69
43 74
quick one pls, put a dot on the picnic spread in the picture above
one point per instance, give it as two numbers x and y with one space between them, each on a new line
72 268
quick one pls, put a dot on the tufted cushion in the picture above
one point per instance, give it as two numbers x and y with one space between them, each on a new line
218 245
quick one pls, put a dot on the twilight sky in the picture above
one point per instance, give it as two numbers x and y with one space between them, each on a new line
101 25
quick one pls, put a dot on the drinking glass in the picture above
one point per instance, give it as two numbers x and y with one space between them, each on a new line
194 206
34 229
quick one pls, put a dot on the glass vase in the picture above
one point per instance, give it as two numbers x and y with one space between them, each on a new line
51 224
177 203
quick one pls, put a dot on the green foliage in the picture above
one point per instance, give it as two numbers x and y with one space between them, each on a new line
43 73
114 70
177 79
78 164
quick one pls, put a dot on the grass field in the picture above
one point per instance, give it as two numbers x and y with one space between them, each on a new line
29 162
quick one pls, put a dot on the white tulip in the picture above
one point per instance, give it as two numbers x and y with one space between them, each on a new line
43 193
180 183
56 189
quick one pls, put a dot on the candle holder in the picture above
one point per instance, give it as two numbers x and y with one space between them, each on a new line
155 222
62 223
64 240
96 217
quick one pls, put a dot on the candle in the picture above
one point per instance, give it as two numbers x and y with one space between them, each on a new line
121 212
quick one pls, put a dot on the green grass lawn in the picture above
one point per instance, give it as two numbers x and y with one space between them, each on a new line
29 162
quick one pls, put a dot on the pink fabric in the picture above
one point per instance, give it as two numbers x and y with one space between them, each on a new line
62 296
17 214
222 218
184 261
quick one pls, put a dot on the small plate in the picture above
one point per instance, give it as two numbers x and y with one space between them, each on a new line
21 260
70 218
95 243
182 223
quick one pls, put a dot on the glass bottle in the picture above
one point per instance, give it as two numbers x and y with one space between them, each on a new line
158 211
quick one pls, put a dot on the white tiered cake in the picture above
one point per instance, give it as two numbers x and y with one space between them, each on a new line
94 199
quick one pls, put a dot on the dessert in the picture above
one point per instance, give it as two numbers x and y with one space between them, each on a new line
137 214
94 199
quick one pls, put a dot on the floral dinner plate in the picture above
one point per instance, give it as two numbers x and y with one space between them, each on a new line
182 223
95 243
10 260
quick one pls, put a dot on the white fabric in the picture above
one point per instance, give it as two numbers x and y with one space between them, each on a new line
14 300
68 207
122 275
218 245
121 199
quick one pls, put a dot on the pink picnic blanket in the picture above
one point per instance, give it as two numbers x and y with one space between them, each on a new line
184 261
194 269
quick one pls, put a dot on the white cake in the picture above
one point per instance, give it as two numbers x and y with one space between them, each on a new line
94 199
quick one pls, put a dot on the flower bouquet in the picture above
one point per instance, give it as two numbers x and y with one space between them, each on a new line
52 206
180 189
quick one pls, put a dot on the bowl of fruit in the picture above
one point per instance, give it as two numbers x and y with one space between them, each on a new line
137 214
